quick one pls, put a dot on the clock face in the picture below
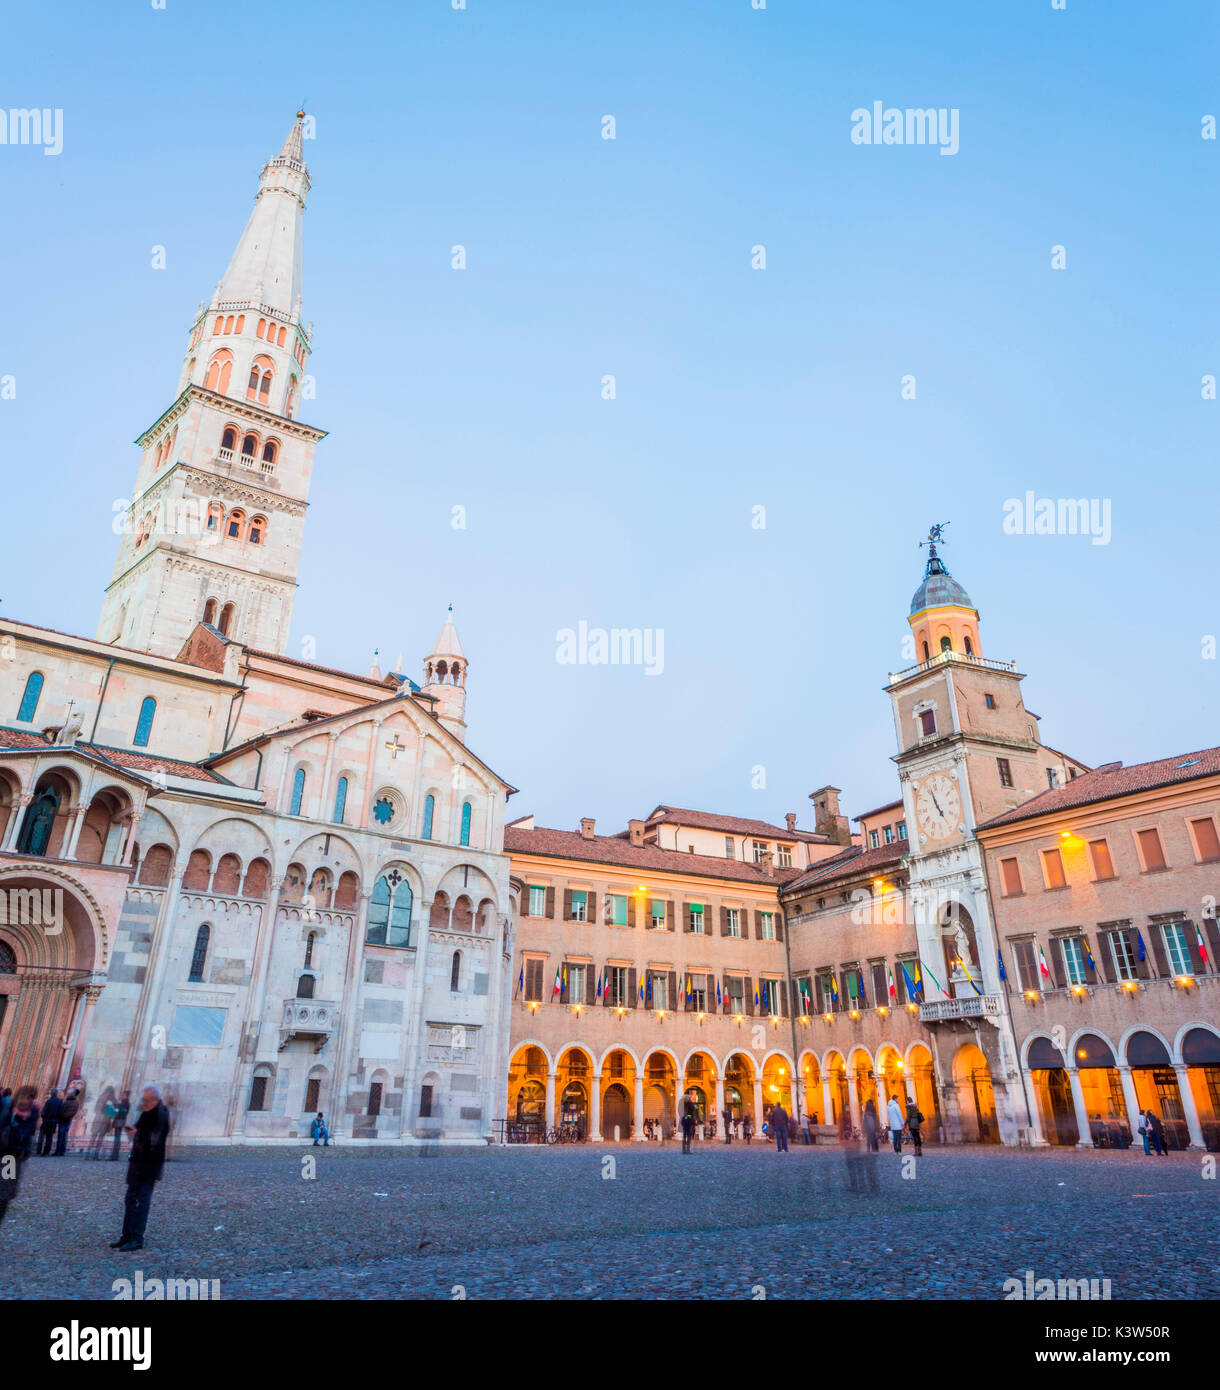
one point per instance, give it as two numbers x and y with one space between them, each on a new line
938 807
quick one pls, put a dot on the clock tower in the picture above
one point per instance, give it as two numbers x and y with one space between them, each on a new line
968 749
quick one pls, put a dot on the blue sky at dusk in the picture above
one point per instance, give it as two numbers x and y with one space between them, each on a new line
736 387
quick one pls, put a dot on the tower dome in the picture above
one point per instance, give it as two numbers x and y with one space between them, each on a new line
939 588
942 617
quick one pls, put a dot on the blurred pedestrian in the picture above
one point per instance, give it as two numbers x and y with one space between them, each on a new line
747 1128
896 1121
779 1127
17 1130
121 1111
870 1126
1156 1132
67 1113
148 1136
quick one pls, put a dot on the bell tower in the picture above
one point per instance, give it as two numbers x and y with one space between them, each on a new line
445 670
213 532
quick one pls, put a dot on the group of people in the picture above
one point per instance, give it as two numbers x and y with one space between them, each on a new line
1153 1133
19 1120
897 1119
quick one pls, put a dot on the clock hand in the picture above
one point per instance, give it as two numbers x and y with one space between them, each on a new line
936 803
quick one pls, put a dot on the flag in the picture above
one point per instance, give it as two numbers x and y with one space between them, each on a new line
834 990
1139 939
599 984
910 983
921 967
1046 970
893 986
719 996
863 996
973 986
647 1000
689 990
1088 955
520 983
756 996
1000 961
1202 947
557 988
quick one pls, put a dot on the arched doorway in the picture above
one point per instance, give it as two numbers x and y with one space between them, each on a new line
975 1096
527 1096
1156 1085
863 1085
1201 1054
700 1086
618 1078
573 1077
1109 1124
739 1089
777 1084
921 1082
660 1098
891 1078
1053 1092
811 1088
835 1081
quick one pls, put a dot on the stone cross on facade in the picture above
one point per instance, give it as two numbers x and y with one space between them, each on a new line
395 747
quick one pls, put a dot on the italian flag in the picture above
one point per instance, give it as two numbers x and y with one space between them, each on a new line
1202 947
1042 965
893 989
555 991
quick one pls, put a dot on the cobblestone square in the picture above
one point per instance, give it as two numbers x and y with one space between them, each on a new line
563 1222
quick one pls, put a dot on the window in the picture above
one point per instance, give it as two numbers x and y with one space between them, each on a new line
658 982
927 722
199 957
580 905
375 1098
1052 868
783 857
258 1093
732 920
766 922
1124 957
226 619
1174 934
616 909
533 979
768 996
1025 957
989 701
305 986
902 830
1150 849
1010 877
576 984
872 839
390 907
1099 853
616 985
926 651
537 905
429 809
760 851
29 700
258 527
309 943
340 800
148 708
1005 771
425 1102
465 823
656 915
298 791
736 994
455 972
695 916
1073 959
946 644
889 834
313 1094
1207 842
728 847
1052 778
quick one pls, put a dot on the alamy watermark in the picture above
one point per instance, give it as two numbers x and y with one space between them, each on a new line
619 646
33 126
33 907
910 125
1058 516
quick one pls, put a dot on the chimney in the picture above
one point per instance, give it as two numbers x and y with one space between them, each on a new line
586 827
827 819
635 828
767 863
790 818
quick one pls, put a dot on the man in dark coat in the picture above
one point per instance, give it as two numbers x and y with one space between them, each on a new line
148 1136
778 1120
67 1113
50 1118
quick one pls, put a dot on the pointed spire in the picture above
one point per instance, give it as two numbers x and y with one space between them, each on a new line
292 146
374 671
447 643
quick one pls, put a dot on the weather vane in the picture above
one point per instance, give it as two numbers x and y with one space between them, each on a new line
935 533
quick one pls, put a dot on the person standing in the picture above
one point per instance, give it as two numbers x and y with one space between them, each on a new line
688 1124
17 1130
1156 1131
779 1127
914 1120
148 1136
67 1113
896 1120
50 1118
121 1111
728 1125
870 1126
747 1128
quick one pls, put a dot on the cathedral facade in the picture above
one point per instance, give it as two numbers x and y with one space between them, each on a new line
273 887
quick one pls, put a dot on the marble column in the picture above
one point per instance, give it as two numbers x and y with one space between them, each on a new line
550 1100
595 1108
828 1109
1131 1101
1189 1108
758 1102
639 1107
1082 1115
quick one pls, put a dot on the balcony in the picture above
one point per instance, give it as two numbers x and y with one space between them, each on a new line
945 1010
314 1019
947 658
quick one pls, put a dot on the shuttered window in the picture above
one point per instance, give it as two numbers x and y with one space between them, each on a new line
1010 874
1103 865
1150 849
1207 842
1052 868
